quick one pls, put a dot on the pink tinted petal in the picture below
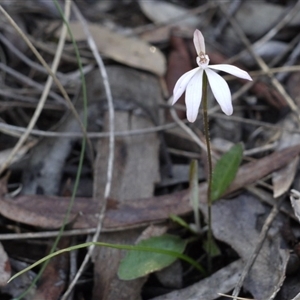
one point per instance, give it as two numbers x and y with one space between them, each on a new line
199 42
232 70
181 84
220 90
193 96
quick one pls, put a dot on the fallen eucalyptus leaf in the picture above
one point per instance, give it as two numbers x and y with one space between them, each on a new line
132 52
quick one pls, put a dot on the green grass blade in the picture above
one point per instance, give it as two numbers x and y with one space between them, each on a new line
115 246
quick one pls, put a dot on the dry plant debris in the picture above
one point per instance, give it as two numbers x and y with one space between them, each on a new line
131 183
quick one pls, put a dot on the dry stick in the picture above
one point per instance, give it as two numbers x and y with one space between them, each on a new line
262 64
195 11
287 18
47 234
64 78
34 119
293 11
40 104
262 195
73 264
275 210
28 81
233 7
50 47
185 128
103 72
248 85
16 130
23 57
230 297
292 59
295 68
251 260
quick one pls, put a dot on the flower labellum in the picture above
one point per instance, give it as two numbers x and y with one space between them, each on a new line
191 82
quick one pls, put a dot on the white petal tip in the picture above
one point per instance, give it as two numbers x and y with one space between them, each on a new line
174 100
228 112
199 42
192 114
192 119
248 77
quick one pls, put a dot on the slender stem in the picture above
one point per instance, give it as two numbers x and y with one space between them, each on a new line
209 159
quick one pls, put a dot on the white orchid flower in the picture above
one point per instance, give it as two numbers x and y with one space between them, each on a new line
191 82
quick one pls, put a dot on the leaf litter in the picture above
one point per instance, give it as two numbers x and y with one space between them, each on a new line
139 49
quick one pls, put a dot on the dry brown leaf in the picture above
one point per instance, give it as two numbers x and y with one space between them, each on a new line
129 51
222 281
48 212
295 196
283 178
237 222
162 12
157 35
136 165
264 16
136 169
5 269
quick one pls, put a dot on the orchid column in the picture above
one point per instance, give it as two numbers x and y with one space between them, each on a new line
194 83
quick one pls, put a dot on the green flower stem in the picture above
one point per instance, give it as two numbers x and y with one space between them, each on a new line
209 159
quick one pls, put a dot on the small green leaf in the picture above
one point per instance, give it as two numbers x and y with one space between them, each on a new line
225 171
139 263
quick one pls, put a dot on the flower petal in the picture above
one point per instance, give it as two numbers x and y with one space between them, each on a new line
220 90
181 84
199 42
193 96
232 70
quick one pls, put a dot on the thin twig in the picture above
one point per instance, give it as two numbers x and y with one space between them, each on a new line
103 72
28 81
40 106
292 59
32 122
45 234
13 130
233 7
261 63
288 16
184 127
23 57
256 250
